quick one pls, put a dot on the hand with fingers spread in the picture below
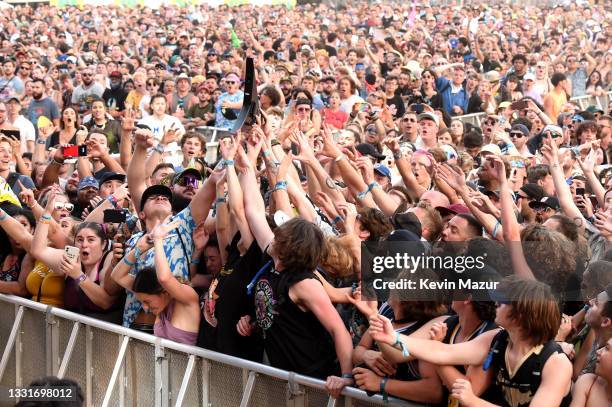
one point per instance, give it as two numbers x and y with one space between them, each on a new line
306 155
45 132
454 178
228 148
482 202
330 149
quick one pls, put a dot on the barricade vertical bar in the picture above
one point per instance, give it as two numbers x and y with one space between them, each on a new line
186 378
122 379
11 342
69 348
331 402
118 364
161 376
205 383
88 366
52 342
18 352
348 402
248 389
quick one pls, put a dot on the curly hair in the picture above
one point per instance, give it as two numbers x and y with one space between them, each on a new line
338 261
375 222
299 245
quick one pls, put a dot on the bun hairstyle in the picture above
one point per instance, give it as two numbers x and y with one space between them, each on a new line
146 282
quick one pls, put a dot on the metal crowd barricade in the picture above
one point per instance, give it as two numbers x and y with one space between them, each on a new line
116 366
599 101
211 134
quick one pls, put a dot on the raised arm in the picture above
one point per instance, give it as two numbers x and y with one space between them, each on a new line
255 209
569 208
39 248
15 230
136 176
182 293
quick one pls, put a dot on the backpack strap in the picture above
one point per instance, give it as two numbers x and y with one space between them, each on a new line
12 179
549 349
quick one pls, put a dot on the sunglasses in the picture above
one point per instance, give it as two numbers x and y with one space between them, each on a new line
231 82
490 122
517 135
25 68
189 181
410 120
61 205
552 135
542 208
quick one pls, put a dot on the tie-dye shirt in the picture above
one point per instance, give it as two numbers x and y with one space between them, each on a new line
175 253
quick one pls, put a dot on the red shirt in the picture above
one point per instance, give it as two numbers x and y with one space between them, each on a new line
336 119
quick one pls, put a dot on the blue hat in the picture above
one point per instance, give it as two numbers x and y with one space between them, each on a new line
88 182
382 170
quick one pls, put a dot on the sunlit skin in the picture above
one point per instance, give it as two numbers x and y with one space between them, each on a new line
90 247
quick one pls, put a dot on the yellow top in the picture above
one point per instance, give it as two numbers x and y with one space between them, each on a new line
44 283
558 100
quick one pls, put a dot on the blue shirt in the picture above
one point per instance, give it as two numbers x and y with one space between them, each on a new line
450 99
177 254
220 120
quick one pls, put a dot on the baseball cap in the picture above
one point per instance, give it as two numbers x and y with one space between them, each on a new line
183 76
86 182
594 109
328 79
529 77
407 221
369 149
546 201
155 190
198 79
453 209
382 170
428 116
553 129
115 74
12 99
71 59
503 105
111 176
490 148
186 171
533 191
520 128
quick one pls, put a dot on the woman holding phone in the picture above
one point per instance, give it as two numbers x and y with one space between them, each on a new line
88 288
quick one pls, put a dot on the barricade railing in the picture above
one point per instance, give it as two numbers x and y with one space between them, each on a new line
117 366
582 101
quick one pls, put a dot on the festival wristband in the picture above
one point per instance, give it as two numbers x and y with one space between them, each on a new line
129 263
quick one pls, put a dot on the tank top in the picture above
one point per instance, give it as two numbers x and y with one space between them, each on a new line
517 390
12 274
164 328
454 328
77 301
294 340
558 100
45 286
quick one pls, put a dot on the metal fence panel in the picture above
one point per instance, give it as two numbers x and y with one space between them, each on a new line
140 374
105 348
177 364
268 391
225 385
76 366
33 336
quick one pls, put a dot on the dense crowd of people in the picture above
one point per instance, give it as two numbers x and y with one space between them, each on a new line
112 208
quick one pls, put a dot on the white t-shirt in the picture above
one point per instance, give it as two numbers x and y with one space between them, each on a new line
26 131
347 104
173 150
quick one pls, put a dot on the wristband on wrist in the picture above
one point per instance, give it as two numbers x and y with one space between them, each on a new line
45 216
401 344
397 155
227 163
112 200
221 200
340 158
80 278
3 215
362 195
137 253
347 375
280 185
383 383
195 261
275 143
265 153
41 141
160 148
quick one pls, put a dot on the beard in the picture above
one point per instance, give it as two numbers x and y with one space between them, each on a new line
179 203
37 95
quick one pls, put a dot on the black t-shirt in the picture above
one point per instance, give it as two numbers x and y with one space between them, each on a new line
227 301
115 98
294 340
397 101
